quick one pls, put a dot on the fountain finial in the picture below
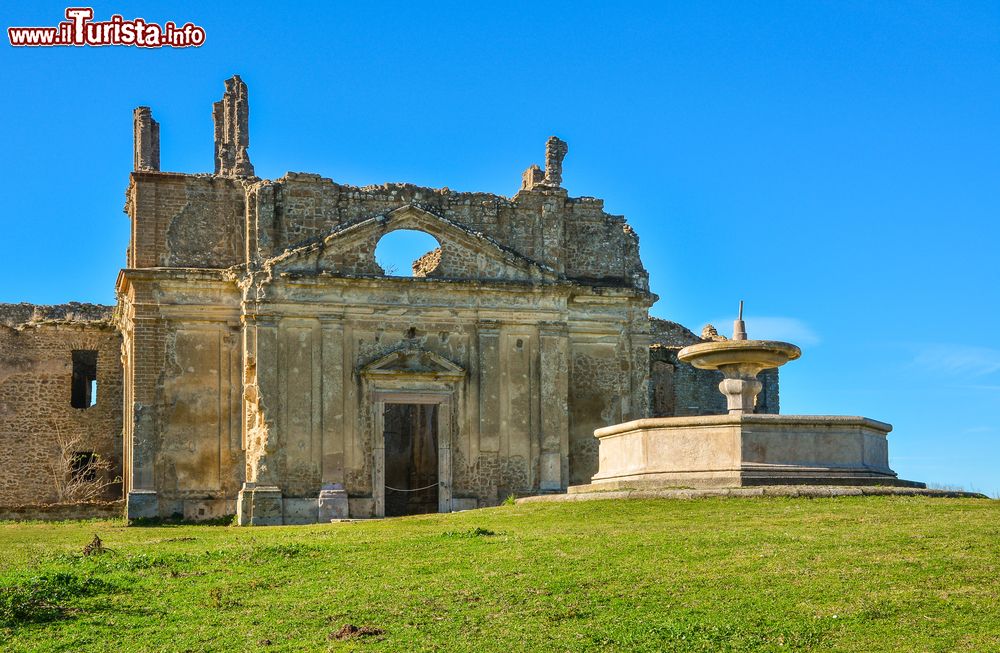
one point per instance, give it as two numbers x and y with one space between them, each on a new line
740 327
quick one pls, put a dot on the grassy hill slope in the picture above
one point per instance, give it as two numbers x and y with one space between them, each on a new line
771 574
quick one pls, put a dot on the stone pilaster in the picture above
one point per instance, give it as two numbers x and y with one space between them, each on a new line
489 387
332 439
144 352
260 501
554 385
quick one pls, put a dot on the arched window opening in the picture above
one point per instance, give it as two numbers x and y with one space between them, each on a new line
408 253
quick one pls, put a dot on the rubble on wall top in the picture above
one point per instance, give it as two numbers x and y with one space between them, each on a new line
25 314
392 189
671 334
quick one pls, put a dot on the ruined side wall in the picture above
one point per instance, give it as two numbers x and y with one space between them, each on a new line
187 221
768 399
680 389
103 510
37 421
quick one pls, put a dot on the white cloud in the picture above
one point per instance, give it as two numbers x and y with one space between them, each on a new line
788 329
959 359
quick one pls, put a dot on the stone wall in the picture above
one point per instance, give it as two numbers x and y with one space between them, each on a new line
197 221
39 428
304 368
64 511
317 310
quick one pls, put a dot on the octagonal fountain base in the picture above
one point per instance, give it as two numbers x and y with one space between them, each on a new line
725 451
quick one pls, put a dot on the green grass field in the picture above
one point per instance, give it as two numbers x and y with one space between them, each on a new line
865 574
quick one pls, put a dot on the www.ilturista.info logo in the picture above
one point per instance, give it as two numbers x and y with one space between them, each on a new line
79 29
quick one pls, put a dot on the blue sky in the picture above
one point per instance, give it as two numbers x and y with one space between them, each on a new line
834 164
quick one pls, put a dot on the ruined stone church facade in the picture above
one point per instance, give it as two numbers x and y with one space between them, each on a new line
269 367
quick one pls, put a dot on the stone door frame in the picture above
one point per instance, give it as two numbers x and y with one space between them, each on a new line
412 376
444 403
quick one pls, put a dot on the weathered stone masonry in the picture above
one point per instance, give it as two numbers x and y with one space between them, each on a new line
262 346
37 418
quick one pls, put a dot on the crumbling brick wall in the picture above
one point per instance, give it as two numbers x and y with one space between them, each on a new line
191 221
428 263
36 379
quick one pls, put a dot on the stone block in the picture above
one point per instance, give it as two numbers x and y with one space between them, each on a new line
260 506
203 509
361 508
458 504
299 511
551 472
142 504
333 503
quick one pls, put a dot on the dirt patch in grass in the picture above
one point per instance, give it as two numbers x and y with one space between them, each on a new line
350 631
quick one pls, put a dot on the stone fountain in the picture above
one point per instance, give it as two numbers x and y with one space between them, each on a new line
740 361
742 448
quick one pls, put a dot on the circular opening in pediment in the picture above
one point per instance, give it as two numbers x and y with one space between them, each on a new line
408 253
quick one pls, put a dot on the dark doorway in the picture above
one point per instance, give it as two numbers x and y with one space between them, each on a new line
411 459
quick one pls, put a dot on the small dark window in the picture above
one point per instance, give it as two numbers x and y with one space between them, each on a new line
83 466
84 393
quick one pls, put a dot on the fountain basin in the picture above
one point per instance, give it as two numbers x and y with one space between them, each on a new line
714 451
750 355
